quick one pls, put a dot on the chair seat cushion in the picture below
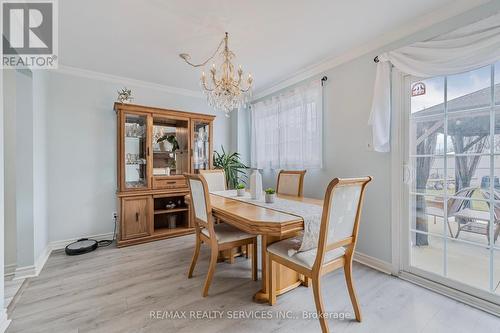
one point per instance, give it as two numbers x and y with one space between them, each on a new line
305 258
226 233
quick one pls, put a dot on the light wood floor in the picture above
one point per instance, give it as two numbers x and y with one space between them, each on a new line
114 290
11 287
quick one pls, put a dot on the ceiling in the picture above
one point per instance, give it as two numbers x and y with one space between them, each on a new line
272 39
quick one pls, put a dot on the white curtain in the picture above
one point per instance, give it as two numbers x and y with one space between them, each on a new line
462 50
286 129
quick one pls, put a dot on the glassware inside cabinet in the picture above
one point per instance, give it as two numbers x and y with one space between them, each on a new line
201 146
135 151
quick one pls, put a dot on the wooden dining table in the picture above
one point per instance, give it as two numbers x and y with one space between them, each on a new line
272 225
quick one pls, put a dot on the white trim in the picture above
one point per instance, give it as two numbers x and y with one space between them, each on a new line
394 35
397 168
42 259
25 272
372 262
33 270
68 70
61 244
4 321
455 294
8 270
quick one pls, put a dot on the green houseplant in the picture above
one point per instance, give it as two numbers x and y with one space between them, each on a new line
270 195
170 139
232 166
240 189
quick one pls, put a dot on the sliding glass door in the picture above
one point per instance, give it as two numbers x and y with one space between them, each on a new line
452 158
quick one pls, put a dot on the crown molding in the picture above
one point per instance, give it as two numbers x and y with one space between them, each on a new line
85 73
399 33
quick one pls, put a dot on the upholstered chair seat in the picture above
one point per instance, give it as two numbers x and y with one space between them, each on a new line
225 233
305 259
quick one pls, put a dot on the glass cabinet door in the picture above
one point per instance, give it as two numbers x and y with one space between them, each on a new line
201 145
135 151
170 141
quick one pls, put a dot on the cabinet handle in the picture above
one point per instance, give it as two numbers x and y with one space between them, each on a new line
136 217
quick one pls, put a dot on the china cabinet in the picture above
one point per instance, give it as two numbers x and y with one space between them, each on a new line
155 148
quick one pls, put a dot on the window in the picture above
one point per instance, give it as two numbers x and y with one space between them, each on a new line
454 152
286 129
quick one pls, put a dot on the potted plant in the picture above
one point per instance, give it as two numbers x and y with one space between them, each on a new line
232 166
240 189
125 96
170 139
270 195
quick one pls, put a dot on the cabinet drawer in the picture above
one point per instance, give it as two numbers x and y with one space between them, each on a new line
135 217
169 183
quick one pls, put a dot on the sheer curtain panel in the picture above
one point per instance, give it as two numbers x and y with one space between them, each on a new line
286 129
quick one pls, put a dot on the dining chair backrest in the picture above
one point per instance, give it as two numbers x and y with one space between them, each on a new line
341 214
290 182
200 200
216 179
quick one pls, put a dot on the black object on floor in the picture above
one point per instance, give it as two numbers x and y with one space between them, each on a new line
81 246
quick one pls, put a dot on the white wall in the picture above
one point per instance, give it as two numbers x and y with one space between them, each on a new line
40 181
9 145
26 226
347 101
24 168
81 148
3 314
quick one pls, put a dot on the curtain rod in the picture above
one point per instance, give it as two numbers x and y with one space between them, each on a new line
323 80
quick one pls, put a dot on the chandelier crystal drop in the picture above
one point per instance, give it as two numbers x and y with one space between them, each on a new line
225 87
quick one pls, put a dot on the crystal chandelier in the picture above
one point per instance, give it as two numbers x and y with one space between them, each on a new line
224 87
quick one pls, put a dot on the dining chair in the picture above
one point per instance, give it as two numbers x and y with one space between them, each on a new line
216 179
290 182
219 237
337 240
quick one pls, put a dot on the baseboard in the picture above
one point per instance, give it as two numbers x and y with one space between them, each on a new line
372 262
25 272
58 245
4 321
42 259
33 270
9 270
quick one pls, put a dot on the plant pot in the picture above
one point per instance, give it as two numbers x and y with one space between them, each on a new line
270 197
240 192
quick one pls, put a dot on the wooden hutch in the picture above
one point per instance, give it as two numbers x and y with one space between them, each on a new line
155 147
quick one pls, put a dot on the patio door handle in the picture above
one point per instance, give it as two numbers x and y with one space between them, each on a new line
406 174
